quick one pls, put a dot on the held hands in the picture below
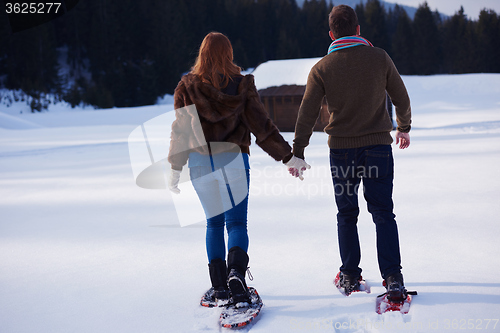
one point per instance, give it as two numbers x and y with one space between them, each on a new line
173 181
403 139
296 166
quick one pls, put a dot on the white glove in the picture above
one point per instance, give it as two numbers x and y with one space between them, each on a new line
296 166
173 181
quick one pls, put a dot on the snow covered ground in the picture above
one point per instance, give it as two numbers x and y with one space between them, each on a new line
83 249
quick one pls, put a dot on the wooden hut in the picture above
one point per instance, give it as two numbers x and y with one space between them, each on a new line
282 104
281 85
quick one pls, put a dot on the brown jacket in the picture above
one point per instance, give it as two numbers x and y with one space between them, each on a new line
225 118
354 81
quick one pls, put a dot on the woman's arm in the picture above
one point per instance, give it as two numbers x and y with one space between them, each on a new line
178 154
267 134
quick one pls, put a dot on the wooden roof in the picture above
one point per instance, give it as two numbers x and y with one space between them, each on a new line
284 90
274 73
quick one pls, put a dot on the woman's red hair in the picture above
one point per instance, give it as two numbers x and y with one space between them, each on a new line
214 63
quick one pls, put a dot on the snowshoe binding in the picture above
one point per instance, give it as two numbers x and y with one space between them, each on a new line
396 298
237 315
347 284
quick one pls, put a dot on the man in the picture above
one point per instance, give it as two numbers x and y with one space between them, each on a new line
355 77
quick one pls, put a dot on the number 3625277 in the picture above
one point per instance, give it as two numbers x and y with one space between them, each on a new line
32 7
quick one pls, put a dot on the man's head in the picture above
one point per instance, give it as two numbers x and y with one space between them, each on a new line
343 22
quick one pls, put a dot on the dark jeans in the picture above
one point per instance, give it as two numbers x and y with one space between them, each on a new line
224 196
375 166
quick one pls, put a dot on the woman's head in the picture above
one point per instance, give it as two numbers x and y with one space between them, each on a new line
215 58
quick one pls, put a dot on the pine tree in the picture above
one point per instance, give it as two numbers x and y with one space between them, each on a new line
288 43
315 38
459 44
391 26
427 47
31 64
402 42
159 51
360 12
488 38
247 32
375 24
4 40
72 31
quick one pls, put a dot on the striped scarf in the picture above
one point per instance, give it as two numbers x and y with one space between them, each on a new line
349 41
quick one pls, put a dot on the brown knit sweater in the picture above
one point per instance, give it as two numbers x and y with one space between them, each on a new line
354 81
223 118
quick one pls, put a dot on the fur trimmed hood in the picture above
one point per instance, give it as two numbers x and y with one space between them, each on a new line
226 118
212 105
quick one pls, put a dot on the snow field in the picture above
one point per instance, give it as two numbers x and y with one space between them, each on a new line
83 249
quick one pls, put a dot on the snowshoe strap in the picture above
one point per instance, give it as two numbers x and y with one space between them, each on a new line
413 292
250 276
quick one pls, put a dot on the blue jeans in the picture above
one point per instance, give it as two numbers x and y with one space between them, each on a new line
375 166
223 194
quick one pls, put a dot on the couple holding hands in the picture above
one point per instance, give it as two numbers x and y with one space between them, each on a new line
355 78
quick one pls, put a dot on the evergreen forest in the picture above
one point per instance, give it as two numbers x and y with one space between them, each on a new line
122 53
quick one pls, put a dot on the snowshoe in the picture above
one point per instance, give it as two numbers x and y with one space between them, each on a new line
239 314
347 284
396 298
213 298
384 304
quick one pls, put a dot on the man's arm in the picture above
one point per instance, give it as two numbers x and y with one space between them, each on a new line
308 113
399 96
400 99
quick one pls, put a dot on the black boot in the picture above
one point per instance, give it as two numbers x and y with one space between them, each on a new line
237 265
347 284
396 291
219 293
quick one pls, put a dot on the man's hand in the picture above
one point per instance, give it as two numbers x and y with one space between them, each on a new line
296 166
403 139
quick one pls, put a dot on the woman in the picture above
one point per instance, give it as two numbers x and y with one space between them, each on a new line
229 109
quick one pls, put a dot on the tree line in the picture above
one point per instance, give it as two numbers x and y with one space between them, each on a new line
120 53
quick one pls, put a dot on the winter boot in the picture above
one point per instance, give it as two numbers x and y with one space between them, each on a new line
347 283
396 291
237 265
219 293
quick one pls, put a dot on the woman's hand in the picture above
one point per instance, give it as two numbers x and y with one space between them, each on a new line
296 166
173 181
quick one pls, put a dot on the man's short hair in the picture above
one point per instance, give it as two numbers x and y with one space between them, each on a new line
343 21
